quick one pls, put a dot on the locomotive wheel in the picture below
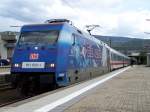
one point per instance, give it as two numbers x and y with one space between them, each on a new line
23 87
29 86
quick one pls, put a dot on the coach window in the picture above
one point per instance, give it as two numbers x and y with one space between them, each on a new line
73 39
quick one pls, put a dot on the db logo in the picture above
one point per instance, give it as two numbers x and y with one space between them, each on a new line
34 56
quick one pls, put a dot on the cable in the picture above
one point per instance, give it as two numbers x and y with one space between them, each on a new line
71 6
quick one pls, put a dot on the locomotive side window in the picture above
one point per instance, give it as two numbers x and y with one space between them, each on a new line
39 37
73 39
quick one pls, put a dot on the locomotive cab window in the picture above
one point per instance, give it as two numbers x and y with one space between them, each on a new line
39 37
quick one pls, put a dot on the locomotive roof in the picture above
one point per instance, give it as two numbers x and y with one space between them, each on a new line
59 25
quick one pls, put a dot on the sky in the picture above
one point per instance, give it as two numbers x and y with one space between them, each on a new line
116 17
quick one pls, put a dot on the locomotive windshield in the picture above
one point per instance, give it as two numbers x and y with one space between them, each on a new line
39 37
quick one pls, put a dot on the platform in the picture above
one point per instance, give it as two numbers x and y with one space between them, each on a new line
4 70
128 92
124 90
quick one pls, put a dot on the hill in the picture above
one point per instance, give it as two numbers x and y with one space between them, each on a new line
126 44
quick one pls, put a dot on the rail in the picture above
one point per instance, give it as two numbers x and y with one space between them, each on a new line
5 86
13 101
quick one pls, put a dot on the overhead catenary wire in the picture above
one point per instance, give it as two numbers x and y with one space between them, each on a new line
71 6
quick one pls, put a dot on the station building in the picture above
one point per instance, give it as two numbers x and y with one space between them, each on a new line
7 43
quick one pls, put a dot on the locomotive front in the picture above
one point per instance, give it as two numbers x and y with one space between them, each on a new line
35 55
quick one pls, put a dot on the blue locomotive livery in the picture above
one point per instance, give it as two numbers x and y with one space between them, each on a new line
85 54
58 54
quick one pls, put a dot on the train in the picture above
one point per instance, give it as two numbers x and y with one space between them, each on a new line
57 54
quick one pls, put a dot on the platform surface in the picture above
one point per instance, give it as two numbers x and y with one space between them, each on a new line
4 70
128 92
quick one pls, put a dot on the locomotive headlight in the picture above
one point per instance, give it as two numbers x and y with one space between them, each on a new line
16 65
52 65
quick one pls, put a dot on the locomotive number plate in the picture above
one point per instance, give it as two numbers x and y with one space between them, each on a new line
33 64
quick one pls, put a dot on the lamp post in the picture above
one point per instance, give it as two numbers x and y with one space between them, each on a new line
148 54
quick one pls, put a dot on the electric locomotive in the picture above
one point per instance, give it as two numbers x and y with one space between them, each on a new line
57 54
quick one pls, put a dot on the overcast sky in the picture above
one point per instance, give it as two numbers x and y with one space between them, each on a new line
116 17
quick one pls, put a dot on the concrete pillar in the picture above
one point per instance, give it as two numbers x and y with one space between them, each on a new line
3 49
148 59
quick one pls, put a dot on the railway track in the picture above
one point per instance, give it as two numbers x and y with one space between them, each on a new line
5 86
12 102
5 82
9 96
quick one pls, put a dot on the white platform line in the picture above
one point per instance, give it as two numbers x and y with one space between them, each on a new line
61 101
